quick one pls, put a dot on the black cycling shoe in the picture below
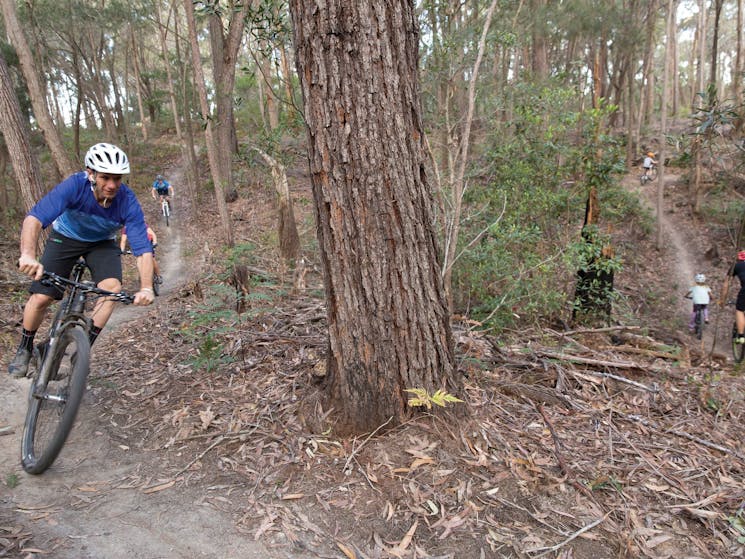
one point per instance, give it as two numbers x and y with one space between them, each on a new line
18 368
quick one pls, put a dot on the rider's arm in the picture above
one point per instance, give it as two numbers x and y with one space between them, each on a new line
145 295
154 239
170 190
123 242
27 262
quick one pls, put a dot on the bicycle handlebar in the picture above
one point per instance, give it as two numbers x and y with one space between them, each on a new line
52 279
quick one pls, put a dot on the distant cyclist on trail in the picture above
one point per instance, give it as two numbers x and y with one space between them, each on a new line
648 164
738 271
161 187
701 295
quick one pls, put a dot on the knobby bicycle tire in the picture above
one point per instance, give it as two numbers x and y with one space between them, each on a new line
699 324
738 350
53 405
156 285
167 212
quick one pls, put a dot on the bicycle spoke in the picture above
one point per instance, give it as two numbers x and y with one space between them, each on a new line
54 404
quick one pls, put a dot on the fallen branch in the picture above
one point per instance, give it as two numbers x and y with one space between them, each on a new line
639 385
566 470
598 362
599 330
547 550
682 434
356 450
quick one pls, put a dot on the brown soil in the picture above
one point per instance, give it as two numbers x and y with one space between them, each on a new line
586 444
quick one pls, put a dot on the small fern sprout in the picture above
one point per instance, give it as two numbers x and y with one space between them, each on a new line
423 399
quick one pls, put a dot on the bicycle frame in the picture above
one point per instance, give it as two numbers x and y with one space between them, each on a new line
72 309
54 400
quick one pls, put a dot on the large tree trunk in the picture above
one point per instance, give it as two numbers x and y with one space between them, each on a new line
14 129
35 89
388 321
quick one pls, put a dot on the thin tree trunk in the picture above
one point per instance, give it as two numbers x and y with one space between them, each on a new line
699 101
212 143
715 42
138 83
738 82
669 41
289 240
458 185
189 149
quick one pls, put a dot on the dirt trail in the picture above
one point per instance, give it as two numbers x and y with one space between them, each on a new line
688 260
684 269
106 496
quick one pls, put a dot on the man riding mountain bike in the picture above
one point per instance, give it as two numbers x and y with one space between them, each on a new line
161 187
86 211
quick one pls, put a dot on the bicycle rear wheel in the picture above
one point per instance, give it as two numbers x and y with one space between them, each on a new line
53 405
156 284
699 326
738 350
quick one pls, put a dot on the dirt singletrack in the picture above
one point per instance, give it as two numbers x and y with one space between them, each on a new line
107 496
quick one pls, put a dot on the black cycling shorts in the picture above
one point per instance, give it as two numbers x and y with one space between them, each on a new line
740 303
61 253
162 192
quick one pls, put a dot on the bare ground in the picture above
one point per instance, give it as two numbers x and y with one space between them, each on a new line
580 444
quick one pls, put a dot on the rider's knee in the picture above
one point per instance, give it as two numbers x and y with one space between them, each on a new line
39 301
111 284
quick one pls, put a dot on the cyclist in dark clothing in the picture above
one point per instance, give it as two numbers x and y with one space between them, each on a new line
739 272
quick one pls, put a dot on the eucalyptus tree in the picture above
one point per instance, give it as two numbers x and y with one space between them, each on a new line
388 319
14 128
36 88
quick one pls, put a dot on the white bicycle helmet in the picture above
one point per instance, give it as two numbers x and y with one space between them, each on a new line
107 158
700 278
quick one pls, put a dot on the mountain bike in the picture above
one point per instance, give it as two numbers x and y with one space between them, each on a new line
165 208
649 176
698 321
59 367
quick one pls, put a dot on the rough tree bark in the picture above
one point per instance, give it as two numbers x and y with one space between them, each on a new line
35 89
14 130
388 320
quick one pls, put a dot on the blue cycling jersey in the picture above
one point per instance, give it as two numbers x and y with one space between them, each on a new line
72 210
161 186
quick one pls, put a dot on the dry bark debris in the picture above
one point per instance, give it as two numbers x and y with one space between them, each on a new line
578 444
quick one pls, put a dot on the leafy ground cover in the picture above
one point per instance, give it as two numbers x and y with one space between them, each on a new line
203 431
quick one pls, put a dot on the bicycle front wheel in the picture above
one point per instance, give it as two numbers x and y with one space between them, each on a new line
738 349
54 404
